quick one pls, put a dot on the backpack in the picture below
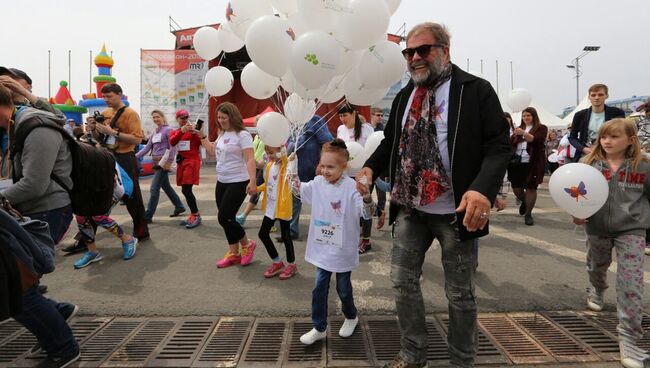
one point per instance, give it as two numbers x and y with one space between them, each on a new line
93 168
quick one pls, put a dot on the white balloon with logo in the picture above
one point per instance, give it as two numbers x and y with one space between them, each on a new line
519 99
362 24
322 14
228 40
242 13
579 189
257 83
206 43
357 156
382 65
314 58
273 129
218 81
268 43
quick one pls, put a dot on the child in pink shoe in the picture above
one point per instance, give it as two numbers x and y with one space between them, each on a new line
277 204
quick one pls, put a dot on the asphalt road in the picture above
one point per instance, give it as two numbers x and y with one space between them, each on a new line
521 268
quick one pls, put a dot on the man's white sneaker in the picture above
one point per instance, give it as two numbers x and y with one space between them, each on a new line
348 327
313 336
595 300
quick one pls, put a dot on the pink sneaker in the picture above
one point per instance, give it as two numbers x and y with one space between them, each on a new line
274 269
228 260
289 271
248 252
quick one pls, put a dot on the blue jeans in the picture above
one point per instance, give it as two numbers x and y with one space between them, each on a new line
42 318
295 217
320 293
161 180
58 220
413 234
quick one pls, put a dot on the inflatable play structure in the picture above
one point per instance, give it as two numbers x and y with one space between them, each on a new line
63 101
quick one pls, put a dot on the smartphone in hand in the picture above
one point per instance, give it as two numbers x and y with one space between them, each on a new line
198 125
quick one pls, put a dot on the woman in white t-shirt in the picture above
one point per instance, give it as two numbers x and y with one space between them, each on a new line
235 178
353 129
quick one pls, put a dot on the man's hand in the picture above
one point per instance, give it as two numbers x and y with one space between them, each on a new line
586 150
105 129
17 88
477 210
367 173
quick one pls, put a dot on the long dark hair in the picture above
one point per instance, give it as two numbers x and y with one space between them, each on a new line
234 116
348 109
509 120
536 122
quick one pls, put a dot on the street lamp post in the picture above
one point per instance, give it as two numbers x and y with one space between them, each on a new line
576 66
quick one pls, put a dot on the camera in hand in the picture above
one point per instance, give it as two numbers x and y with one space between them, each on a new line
199 125
99 117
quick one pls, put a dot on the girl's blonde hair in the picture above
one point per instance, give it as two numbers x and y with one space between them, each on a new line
620 126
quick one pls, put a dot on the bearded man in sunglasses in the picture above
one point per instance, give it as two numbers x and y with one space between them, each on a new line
447 144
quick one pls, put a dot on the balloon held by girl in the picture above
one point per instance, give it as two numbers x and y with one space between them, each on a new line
336 206
621 225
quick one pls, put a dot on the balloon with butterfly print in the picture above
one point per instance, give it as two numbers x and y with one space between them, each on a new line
579 189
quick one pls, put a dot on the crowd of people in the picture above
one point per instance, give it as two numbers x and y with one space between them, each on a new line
447 152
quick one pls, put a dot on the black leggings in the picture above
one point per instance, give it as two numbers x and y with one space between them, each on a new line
190 198
285 233
229 198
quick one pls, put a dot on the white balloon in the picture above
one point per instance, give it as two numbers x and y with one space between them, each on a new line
382 65
357 156
229 41
242 13
358 94
334 90
206 43
349 60
299 110
297 24
309 93
273 129
373 142
218 81
257 83
393 5
288 82
314 58
363 23
322 14
579 189
268 43
285 7
519 99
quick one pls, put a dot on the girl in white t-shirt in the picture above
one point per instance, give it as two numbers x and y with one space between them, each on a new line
353 129
336 205
235 178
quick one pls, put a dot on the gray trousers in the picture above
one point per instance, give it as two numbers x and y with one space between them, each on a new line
629 277
413 234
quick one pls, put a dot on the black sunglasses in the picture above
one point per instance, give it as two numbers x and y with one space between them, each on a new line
422 50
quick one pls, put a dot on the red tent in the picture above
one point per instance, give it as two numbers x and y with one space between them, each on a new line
250 122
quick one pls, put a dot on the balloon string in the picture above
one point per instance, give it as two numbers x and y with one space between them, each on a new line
325 118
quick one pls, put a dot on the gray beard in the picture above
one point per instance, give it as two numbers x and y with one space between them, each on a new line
431 75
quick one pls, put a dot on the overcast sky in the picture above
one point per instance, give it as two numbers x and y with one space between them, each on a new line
539 37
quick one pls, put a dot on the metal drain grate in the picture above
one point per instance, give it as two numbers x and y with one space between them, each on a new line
518 346
225 344
266 346
16 346
384 336
599 341
487 352
102 344
437 350
609 321
8 328
185 342
136 350
350 351
553 339
299 354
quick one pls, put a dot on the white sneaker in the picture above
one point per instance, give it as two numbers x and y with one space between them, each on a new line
631 355
595 300
348 327
313 336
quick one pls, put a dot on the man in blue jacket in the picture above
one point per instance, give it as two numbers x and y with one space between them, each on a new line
587 122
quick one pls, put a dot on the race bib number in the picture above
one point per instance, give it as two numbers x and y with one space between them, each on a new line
184 146
157 138
326 233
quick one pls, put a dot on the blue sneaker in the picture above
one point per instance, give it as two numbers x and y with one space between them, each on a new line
129 248
193 221
241 219
88 258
